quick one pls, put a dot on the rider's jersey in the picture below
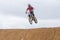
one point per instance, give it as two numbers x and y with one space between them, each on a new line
30 9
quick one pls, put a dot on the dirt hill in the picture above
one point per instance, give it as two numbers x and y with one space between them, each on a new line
30 34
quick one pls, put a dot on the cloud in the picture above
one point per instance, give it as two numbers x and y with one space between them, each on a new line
12 7
16 22
44 9
12 13
12 21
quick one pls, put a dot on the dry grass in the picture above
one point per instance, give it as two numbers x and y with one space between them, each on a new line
31 34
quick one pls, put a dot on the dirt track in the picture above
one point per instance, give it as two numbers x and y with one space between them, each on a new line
31 34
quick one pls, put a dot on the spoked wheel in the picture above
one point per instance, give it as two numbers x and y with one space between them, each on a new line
35 20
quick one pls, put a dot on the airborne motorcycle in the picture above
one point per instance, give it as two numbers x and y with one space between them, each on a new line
32 18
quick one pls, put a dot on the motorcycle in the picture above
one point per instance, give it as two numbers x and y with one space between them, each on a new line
32 18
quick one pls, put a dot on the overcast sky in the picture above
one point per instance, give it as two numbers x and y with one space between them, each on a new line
12 12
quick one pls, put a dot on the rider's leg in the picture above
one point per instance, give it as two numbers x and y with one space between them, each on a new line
34 18
32 13
30 20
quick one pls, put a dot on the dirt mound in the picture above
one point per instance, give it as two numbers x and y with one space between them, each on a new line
30 34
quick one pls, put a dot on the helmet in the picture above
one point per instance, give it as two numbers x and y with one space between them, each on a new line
29 5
